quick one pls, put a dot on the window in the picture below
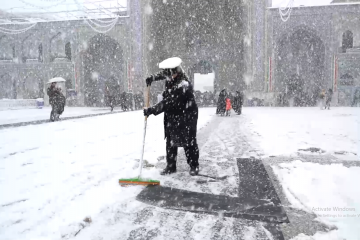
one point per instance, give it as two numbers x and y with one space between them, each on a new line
7 49
13 51
68 51
346 80
40 50
347 40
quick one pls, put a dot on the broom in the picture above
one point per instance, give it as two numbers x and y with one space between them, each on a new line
139 180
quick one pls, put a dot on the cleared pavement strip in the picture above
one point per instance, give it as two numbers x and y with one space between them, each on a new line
36 122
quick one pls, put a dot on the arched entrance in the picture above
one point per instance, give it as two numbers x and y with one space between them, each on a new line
202 75
7 87
102 60
301 57
32 86
203 68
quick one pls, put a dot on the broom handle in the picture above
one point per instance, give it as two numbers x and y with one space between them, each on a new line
147 104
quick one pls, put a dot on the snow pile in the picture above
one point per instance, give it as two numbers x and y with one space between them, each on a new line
333 235
283 131
330 191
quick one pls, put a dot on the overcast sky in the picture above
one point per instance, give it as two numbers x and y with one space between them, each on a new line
283 3
45 6
7 4
21 6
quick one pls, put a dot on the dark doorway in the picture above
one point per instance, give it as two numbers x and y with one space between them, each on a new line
103 59
301 58
7 87
347 40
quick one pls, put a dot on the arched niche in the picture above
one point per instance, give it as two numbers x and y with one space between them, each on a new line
31 49
7 48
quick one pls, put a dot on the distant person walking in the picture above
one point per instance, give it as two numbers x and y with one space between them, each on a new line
328 98
238 102
356 98
123 101
228 106
221 104
322 99
57 101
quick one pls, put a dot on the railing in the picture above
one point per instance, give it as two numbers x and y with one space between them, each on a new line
17 103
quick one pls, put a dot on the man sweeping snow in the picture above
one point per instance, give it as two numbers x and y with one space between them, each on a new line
180 114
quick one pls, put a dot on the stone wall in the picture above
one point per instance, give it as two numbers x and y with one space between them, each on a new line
322 24
54 49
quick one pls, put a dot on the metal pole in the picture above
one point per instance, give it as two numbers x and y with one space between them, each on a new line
143 145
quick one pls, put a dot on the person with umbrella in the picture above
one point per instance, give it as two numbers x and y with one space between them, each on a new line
56 99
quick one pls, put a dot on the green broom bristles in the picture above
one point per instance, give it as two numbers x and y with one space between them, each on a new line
138 181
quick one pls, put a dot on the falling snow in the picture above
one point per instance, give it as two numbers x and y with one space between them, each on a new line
275 80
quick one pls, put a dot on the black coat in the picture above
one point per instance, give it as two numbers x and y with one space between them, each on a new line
238 101
221 104
123 101
329 96
56 98
180 110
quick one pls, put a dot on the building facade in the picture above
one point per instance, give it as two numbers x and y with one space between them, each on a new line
317 48
245 43
74 51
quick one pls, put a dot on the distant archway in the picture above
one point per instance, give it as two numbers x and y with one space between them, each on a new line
7 87
204 68
32 86
103 59
301 54
32 49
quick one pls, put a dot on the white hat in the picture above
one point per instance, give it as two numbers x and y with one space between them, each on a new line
170 63
56 79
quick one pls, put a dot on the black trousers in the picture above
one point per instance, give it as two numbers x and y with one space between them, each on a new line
56 109
191 151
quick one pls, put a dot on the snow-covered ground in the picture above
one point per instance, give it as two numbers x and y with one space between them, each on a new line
54 175
283 131
329 191
34 114
317 188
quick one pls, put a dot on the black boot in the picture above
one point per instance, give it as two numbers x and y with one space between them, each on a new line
52 117
168 170
194 171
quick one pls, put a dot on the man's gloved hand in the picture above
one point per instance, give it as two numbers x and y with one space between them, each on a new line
148 112
149 80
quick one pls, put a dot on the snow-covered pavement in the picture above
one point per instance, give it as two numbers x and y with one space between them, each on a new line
323 182
34 114
283 131
329 191
54 175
